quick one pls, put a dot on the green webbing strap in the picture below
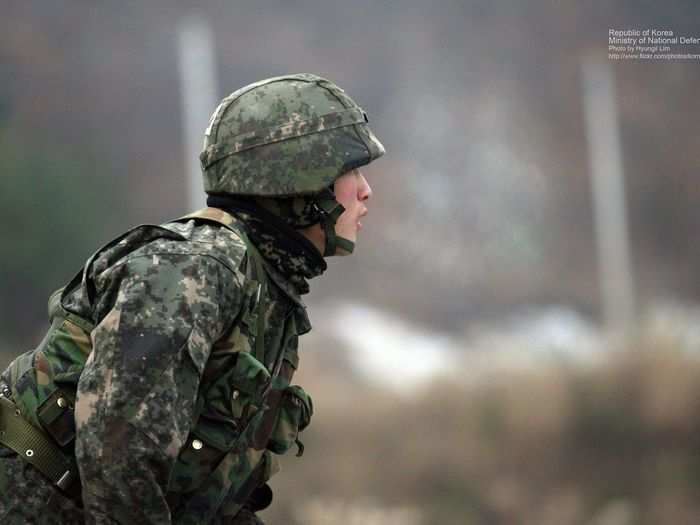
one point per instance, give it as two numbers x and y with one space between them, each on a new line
331 209
331 245
345 244
262 291
35 447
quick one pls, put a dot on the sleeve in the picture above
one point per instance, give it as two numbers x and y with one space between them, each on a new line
137 394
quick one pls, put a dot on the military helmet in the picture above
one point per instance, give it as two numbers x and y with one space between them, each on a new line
285 136
288 139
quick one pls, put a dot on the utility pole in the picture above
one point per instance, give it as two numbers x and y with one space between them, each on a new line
608 187
198 80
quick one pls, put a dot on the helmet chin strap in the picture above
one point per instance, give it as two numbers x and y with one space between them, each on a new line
331 209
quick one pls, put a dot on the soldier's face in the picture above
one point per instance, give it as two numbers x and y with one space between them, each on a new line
353 192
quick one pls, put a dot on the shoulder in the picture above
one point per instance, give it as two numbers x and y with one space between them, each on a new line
199 256
194 238
201 238
194 262
195 259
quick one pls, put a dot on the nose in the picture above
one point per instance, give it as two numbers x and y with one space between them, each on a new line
364 190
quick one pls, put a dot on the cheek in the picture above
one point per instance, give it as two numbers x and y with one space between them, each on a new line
346 194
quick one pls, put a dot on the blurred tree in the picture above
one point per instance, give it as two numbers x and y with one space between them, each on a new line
52 216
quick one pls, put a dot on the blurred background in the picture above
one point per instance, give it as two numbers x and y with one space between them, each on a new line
513 342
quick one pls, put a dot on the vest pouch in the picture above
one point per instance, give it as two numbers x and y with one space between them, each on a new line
240 391
55 364
57 413
232 403
197 459
58 363
293 416
56 416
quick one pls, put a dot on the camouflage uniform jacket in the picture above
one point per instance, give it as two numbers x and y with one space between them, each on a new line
173 414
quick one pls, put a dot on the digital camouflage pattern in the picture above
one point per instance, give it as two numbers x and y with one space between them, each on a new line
285 136
288 139
166 370
177 417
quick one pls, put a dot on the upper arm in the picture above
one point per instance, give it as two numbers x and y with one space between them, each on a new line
151 346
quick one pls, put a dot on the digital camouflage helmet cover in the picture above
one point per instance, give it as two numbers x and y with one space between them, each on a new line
284 141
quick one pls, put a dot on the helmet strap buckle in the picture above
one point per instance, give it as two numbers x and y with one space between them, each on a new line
330 209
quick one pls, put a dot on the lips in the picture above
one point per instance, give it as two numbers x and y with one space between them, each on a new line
362 214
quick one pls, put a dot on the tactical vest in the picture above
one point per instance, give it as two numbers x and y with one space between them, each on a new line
267 412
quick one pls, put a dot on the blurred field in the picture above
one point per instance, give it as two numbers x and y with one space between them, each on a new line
614 443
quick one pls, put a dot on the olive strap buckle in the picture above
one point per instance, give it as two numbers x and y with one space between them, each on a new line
35 447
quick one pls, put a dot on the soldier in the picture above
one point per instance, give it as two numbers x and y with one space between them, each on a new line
162 391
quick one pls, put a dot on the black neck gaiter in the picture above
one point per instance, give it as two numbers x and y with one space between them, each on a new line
283 247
